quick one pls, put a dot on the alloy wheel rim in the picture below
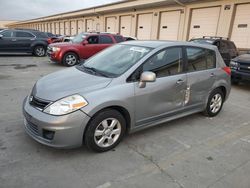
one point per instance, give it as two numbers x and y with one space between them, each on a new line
216 103
107 132
40 51
71 60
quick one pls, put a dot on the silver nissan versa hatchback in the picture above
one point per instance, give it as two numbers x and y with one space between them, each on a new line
125 88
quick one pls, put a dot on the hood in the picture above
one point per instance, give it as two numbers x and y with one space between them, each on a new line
67 82
245 58
62 44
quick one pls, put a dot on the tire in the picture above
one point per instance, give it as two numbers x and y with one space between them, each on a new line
39 51
100 136
70 59
216 98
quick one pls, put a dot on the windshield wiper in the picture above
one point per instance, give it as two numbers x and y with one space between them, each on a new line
95 71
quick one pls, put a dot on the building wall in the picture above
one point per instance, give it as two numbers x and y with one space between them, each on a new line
148 22
4 23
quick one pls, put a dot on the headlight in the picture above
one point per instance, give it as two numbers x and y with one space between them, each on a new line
66 105
234 64
55 49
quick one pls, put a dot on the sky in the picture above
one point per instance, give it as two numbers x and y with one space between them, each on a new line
29 9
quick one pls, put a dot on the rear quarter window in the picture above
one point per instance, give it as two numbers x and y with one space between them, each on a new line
118 38
199 59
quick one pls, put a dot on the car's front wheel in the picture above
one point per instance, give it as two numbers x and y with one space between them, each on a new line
39 51
105 130
70 59
215 103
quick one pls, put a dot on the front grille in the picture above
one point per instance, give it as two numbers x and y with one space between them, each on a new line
244 67
33 128
38 103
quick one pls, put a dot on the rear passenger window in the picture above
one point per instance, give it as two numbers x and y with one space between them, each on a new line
200 59
165 63
24 34
105 40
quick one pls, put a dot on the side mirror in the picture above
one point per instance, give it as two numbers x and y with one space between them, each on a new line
85 42
146 77
1 36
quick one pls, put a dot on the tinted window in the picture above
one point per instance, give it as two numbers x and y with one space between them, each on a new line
200 59
6 33
93 40
232 45
104 39
165 63
224 46
24 34
118 38
40 34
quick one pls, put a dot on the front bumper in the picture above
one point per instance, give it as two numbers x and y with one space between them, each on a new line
240 76
54 56
64 131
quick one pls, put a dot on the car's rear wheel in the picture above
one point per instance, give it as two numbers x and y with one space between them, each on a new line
105 130
39 51
70 59
215 103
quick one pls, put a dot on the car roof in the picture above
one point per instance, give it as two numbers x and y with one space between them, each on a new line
162 44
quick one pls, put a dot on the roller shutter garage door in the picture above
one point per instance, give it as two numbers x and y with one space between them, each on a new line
125 26
57 27
204 22
111 24
61 28
241 27
169 25
73 27
67 28
89 25
80 26
144 26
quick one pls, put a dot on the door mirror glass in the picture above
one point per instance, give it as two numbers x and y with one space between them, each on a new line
146 76
1 36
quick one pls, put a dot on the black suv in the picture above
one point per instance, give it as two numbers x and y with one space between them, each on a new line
226 47
240 67
23 41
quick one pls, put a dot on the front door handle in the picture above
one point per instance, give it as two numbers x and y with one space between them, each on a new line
180 82
212 75
13 40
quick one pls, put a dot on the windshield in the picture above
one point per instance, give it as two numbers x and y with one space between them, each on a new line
116 60
79 38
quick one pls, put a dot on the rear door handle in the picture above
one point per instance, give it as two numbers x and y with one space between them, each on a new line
180 82
13 40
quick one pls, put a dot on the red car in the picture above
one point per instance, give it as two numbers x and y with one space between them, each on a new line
81 47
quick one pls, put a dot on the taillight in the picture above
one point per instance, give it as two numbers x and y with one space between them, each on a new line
227 70
49 40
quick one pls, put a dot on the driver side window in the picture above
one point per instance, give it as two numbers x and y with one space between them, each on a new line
165 63
93 40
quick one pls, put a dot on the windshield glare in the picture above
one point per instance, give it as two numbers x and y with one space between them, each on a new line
79 38
117 59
